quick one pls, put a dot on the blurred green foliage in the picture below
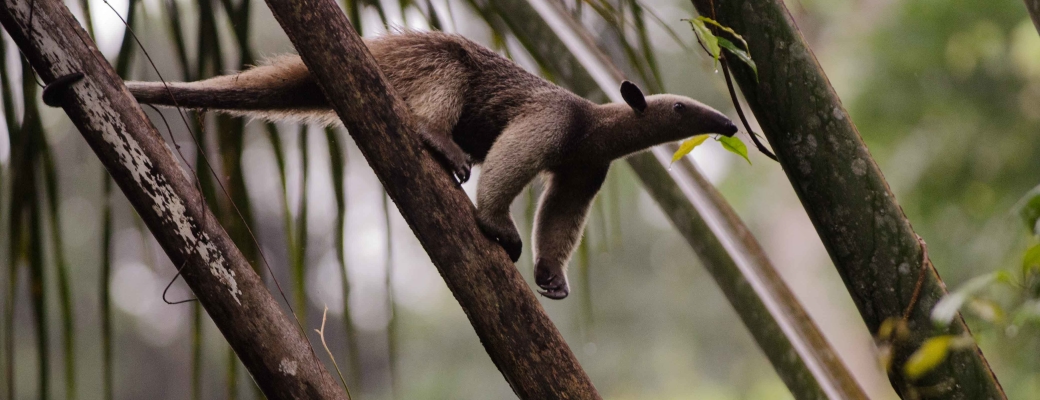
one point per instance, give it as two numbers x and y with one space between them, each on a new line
951 103
950 106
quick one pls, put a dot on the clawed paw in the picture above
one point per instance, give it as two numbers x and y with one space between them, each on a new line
513 247
508 238
449 154
510 243
461 169
553 283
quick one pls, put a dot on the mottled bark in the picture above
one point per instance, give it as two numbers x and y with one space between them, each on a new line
866 233
515 331
268 342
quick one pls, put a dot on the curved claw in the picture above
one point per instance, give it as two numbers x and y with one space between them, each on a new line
55 91
554 284
451 156
462 171
558 294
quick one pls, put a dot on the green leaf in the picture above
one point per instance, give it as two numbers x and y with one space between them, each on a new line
931 353
947 308
727 29
742 55
1029 210
1031 260
735 145
705 36
687 146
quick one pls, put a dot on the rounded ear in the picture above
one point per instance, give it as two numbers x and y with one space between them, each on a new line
633 96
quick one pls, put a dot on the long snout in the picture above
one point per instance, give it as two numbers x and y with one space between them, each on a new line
710 120
730 129
723 125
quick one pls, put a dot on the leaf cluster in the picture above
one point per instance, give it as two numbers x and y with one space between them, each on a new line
714 45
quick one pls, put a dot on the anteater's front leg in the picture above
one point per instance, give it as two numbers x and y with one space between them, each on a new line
560 223
510 165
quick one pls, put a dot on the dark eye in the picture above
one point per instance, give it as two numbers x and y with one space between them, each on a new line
678 107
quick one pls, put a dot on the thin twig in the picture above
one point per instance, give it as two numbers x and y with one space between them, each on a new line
321 333
740 111
920 279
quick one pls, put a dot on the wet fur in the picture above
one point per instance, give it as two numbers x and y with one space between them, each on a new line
472 105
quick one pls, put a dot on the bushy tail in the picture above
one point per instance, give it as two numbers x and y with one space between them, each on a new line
281 90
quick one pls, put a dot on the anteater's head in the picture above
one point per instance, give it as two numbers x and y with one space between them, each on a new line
676 117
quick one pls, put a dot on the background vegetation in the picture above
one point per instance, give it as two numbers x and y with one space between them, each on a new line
946 94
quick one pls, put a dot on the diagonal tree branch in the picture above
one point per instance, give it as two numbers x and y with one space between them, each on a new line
515 331
870 240
269 343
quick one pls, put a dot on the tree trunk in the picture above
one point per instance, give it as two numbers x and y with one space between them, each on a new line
519 337
269 344
871 242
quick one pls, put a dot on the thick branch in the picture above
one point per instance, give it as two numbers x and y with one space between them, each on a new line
511 324
269 344
865 231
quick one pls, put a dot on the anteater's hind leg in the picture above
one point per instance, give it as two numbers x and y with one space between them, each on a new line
437 105
560 222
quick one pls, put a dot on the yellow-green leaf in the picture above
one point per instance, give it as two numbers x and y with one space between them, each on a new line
931 353
706 37
687 146
735 145
1031 259
893 329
